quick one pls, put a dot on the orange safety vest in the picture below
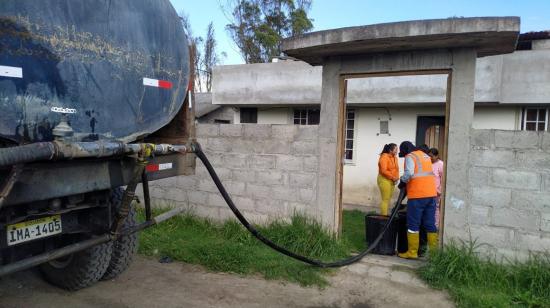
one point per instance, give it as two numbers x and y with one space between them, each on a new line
422 183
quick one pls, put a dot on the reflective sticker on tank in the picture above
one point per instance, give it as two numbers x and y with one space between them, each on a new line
63 110
11 71
158 167
157 83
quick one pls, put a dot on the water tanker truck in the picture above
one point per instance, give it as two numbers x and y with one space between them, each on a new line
94 99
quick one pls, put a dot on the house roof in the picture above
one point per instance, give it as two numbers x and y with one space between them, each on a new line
203 104
489 35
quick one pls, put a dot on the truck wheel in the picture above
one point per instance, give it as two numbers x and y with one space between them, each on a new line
78 270
125 247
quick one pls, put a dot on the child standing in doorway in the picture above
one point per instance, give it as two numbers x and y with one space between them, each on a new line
437 165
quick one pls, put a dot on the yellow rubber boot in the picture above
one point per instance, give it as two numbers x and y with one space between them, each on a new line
433 241
412 252
384 209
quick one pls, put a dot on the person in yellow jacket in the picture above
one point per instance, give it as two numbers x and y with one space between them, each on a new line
419 180
388 175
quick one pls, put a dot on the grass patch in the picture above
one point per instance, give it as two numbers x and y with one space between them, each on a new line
353 229
486 283
228 247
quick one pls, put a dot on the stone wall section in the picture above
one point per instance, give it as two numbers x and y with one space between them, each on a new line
270 171
509 210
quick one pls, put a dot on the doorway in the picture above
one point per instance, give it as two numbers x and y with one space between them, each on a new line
430 130
378 120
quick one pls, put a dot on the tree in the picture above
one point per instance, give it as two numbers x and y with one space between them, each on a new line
194 47
258 26
210 58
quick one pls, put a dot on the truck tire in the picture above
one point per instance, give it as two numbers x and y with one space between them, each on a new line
125 247
79 270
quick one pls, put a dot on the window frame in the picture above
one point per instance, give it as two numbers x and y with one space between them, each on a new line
524 121
353 139
305 116
248 109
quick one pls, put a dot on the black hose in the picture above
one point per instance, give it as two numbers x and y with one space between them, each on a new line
200 154
27 153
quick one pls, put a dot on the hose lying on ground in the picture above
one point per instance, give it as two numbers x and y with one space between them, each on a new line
196 148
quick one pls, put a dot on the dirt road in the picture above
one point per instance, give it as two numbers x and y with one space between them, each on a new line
376 282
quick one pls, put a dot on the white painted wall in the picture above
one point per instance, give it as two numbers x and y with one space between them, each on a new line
500 117
274 116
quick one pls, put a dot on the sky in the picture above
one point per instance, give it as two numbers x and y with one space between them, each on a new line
330 14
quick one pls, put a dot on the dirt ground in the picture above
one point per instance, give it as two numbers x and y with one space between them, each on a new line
375 282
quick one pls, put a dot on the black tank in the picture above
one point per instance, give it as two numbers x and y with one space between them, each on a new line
118 68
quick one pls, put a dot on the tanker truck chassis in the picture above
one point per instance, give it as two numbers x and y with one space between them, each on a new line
95 99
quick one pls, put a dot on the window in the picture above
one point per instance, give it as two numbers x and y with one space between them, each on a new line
307 116
349 137
219 121
249 115
535 119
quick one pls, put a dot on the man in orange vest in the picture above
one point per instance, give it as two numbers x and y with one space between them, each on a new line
419 180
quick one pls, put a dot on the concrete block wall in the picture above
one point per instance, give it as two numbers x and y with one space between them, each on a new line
270 171
509 208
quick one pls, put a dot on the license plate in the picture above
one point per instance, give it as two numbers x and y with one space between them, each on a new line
33 229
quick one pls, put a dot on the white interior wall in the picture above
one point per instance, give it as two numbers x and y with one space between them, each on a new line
274 116
506 118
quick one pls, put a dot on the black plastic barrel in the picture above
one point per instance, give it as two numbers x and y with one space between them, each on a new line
374 224
402 242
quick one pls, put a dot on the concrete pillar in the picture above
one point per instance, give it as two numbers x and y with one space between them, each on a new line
328 138
460 118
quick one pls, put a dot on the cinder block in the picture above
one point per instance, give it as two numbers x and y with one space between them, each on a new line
275 147
175 194
215 158
244 175
284 193
207 185
258 191
533 160
546 141
311 163
289 162
516 179
305 148
309 132
480 215
491 196
262 161
231 130
306 180
492 158
307 195
498 237
186 182
206 211
271 177
219 144
233 160
532 241
207 130
257 131
546 181
479 176
244 203
276 208
483 138
198 197
533 201
517 139
246 146
283 132
223 173
516 219
545 222
234 188
215 200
